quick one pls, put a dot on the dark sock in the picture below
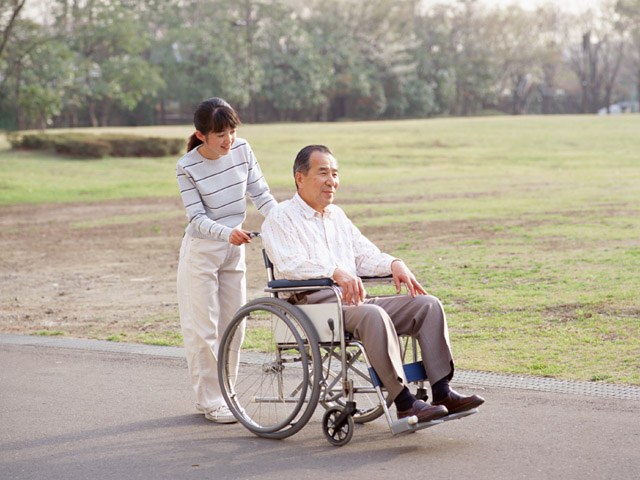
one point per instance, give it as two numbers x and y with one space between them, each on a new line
440 389
404 400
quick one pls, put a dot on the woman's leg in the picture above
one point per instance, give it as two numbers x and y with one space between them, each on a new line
198 293
233 295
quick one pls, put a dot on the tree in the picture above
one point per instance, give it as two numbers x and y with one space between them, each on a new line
31 88
629 11
9 13
200 59
109 43
428 86
360 40
514 33
295 76
596 60
473 64
550 55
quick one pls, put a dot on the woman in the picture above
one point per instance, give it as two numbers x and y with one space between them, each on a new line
214 177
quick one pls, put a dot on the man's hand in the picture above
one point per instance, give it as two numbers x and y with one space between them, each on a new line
402 274
353 292
238 237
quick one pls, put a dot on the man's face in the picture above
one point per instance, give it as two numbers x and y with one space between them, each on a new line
319 185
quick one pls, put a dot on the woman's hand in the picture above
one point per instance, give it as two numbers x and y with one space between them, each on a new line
238 237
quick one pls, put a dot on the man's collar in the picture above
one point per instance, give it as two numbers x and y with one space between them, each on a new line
307 211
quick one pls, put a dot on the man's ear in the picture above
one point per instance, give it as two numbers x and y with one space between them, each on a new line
298 178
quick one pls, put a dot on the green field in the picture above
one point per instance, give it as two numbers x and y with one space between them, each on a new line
528 228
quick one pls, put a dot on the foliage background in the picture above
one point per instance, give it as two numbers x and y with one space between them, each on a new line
137 62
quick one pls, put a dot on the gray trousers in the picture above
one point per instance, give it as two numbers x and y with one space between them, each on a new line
377 324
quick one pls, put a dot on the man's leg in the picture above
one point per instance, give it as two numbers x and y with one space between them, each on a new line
373 327
422 317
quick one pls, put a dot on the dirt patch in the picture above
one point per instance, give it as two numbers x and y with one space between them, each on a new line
107 269
96 270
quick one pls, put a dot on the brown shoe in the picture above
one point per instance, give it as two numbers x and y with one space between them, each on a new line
456 403
423 411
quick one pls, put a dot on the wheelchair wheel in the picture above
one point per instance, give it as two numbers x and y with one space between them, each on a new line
337 435
272 387
368 407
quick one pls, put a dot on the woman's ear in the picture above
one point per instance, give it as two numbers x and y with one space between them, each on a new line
200 136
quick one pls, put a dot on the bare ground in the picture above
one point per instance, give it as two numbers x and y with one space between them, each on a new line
107 269
97 270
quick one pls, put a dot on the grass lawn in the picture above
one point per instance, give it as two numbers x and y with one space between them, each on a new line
527 228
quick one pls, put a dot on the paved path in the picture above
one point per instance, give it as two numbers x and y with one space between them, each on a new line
79 410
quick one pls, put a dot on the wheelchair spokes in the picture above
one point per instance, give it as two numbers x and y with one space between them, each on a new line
271 389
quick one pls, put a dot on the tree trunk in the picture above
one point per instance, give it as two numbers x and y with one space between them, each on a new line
92 113
7 31
106 113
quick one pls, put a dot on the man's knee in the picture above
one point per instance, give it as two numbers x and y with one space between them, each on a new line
426 312
367 321
428 306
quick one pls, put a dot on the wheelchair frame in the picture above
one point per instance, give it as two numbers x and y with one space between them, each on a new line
289 371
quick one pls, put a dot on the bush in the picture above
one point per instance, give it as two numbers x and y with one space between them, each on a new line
30 141
81 147
132 146
98 146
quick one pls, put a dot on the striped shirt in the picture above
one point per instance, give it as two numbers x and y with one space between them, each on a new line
214 191
303 243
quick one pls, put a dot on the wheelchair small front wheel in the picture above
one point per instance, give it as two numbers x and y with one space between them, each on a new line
368 407
337 433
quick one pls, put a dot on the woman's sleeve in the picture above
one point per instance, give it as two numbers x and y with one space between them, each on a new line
257 186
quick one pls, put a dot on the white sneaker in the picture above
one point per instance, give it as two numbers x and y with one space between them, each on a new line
220 415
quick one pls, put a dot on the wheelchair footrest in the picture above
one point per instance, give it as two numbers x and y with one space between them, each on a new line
456 416
411 424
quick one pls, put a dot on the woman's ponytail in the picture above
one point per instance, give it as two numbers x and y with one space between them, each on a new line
193 142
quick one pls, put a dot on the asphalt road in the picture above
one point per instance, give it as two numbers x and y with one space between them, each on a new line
84 414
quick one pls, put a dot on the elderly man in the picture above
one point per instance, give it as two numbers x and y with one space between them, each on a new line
309 237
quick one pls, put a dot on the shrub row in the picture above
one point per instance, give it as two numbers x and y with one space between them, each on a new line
86 145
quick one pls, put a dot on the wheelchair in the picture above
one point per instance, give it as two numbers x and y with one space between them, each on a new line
294 357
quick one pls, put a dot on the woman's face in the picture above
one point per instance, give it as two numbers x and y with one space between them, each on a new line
216 144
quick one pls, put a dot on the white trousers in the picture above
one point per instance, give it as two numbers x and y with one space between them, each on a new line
211 288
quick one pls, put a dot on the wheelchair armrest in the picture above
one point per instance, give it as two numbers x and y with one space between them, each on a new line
319 282
314 282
